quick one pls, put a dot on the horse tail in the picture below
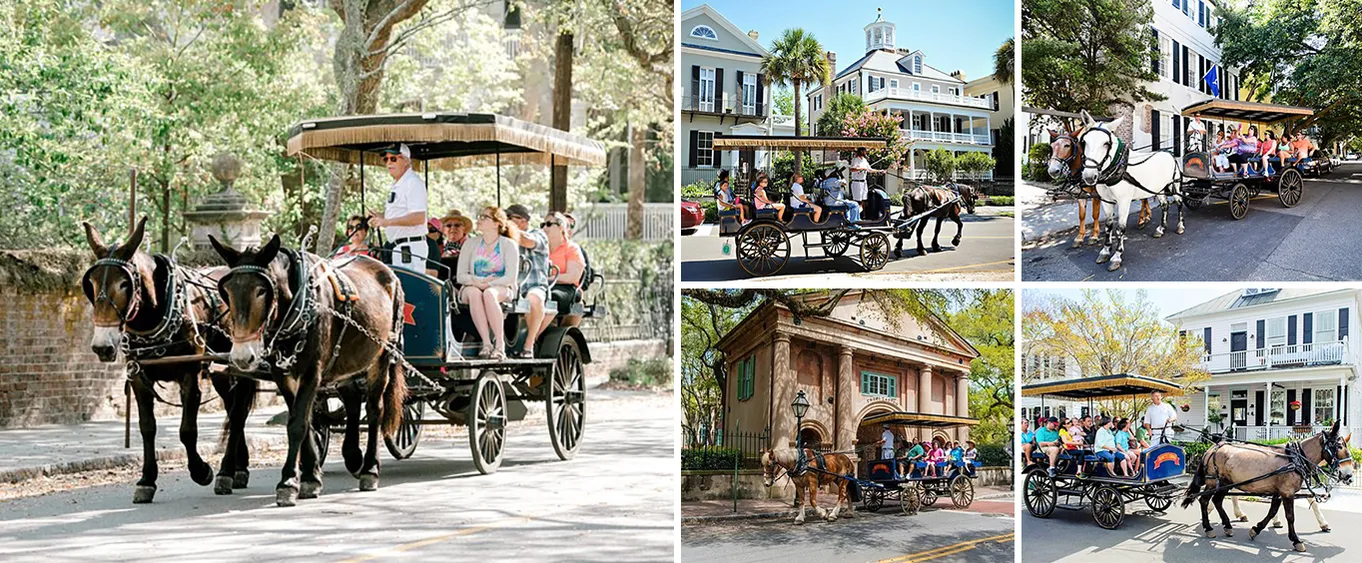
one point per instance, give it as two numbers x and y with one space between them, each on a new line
1198 480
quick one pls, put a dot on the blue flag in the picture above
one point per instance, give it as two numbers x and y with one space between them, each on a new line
1212 79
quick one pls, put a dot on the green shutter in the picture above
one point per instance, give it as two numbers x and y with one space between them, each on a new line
893 386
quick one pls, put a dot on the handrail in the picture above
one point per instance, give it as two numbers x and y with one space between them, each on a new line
1279 356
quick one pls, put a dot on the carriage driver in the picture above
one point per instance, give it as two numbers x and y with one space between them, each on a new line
1160 416
887 443
404 216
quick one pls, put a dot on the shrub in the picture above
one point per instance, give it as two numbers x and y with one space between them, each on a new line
710 459
1194 451
1036 158
703 194
993 455
1005 200
651 372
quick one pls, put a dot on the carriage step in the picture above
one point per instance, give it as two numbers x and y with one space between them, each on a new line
1070 506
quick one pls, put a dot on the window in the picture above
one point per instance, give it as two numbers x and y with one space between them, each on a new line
1165 56
953 91
917 87
749 94
917 122
917 64
704 32
877 385
1326 327
706 89
704 149
936 89
1322 405
1278 406
893 83
853 87
747 377
1276 332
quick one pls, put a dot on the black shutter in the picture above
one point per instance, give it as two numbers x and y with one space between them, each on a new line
1342 323
1291 330
718 158
1154 128
1186 64
741 91
1305 406
1201 71
761 96
1338 406
1262 337
1258 408
1206 338
719 90
1177 62
694 147
1308 331
694 93
1201 13
1155 66
1290 413
1177 141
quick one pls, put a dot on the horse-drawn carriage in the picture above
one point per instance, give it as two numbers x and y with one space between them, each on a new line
1202 182
1107 494
763 242
912 483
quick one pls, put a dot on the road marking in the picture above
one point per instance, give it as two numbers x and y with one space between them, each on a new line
437 539
950 549
1008 261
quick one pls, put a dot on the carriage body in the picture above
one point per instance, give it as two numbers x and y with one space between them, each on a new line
1202 183
910 485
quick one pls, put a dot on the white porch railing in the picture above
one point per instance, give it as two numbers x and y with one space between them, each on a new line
605 221
947 137
1278 432
1279 357
921 96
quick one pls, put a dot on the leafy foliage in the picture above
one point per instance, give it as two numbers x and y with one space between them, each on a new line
992 455
940 164
1004 59
1086 54
986 321
710 459
796 59
867 122
830 122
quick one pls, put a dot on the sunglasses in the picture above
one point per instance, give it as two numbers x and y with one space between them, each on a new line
486 216
391 158
547 224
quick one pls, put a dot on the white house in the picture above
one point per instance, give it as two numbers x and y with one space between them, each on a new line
935 109
1039 367
1268 348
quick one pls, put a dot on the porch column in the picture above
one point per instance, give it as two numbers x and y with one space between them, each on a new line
924 396
783 384
932 126
962 403
843 417
988 128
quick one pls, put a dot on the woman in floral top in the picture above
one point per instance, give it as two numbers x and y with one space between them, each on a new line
488 267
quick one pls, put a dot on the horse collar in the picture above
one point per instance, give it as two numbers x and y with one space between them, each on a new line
169 325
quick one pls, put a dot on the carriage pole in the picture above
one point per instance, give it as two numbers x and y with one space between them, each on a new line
127 384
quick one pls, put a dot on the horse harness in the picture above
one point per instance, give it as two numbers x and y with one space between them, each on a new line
1117 170
1310 473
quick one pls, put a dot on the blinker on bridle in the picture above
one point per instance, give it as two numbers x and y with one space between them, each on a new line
272 290
134 280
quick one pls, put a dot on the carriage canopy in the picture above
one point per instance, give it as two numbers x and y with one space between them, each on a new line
446 140
780 142
903 418
1245 111
1101 387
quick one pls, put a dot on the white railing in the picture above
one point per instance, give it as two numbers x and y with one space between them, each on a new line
921 96
610 221
1275 432
947 137
1279 357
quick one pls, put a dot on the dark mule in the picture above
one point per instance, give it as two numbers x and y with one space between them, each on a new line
147 307
1266 471
283 320
921 199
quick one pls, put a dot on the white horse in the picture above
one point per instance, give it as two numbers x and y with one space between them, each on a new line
1121 177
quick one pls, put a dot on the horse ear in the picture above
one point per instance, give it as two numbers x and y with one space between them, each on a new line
1115 123
128 249
1054 133
1087 118
96 243
269 252
1334 428
229 255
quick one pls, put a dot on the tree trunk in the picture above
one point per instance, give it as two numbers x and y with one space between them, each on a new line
562 115
799 131
638 175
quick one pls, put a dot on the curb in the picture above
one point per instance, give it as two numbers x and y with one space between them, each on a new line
115 461
747 516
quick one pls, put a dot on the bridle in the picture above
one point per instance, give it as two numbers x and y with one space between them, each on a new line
295 320
1112 167
134 280
271 291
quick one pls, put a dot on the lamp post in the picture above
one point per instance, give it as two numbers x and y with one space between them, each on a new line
800 405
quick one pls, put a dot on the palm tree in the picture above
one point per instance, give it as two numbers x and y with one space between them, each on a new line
796 58
1003 59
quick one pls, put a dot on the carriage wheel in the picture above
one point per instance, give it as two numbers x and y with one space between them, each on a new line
487 423
566 405
404 443
1290 186
874 500
763 249
927 494
909 500
1194 202
1108 508
1239 201
1156 503
1040 494
837 242
962 491
874 251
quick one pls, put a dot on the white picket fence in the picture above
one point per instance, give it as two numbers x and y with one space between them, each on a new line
607 221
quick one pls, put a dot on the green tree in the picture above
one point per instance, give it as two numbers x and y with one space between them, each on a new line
940 165
1086 54
974 163
830 122
796 59
1004 59
986 321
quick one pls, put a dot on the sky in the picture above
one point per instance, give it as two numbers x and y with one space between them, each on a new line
1167 300
954 35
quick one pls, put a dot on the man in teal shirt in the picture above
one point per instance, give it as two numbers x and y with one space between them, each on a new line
914 454
1047 439
1028 441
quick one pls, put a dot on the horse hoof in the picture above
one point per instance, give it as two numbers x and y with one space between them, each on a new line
936 248
1210 533
1114 265
1298 546
241 480
1158 234
1253 533
1229 533
223 485
1324 529
143 494
286 496
1243 518
955 242
1078 243
832 519
1276 524
1180 230
368 482
310 489
202 474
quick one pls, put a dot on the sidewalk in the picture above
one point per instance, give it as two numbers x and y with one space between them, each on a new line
26 453
986 500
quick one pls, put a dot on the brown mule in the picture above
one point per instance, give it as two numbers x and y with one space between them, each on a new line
1066 163
1229 463
807 481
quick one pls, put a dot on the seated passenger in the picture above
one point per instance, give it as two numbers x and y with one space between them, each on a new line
760 199
567 256
834 188
488 267
1123 445
1047 439
799 200
971 456
1223 147
935 456
1301 147
957 456
724 199
534 275
1028 441
913 455
357 237
1265 150
1106 446
456 226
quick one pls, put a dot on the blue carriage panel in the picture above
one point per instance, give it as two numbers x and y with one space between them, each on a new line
881 470
427 305
1164 462
729 222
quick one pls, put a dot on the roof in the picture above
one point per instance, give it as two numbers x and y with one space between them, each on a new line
1245 111
885 61
783 142
1101 387
724 23
904 418
448 140
1237 300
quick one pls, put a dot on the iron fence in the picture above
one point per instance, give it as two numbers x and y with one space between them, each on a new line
749 443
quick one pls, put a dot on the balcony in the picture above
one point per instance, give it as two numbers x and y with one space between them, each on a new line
723 107
920 96
1279 357
947 137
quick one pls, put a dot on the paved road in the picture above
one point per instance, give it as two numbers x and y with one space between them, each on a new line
987 250
614 501
935 535
1176 536
1314 241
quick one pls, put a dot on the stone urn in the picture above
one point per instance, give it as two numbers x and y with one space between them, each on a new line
226 213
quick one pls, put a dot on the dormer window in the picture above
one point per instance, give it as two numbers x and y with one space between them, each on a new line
704 32
917 64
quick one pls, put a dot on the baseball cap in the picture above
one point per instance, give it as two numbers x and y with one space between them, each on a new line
518 211
399 148
1053 419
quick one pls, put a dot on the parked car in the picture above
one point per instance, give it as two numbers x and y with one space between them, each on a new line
692 215
1321 163
1352 156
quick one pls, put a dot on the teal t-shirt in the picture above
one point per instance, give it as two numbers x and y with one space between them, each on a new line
1044 434
915 452
1122 440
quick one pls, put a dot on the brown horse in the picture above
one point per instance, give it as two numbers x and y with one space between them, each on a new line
1066 162
286 324
807 481
922 199
147 307
1267 471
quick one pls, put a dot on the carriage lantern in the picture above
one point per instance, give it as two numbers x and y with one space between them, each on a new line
800 405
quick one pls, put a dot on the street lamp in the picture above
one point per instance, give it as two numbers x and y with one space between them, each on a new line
800 405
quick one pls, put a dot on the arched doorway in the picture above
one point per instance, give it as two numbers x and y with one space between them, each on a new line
869 435
811 438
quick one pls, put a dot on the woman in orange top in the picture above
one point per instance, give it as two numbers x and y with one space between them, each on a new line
570 262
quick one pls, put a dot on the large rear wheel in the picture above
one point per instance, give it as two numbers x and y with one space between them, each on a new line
403 444
487 423
962 491
566 404
1290 187
1239 201
763 249
1039 493
1108 508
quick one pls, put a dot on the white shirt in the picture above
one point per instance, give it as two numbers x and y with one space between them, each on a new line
408 195
888 438
797 191
859 162
1157 416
